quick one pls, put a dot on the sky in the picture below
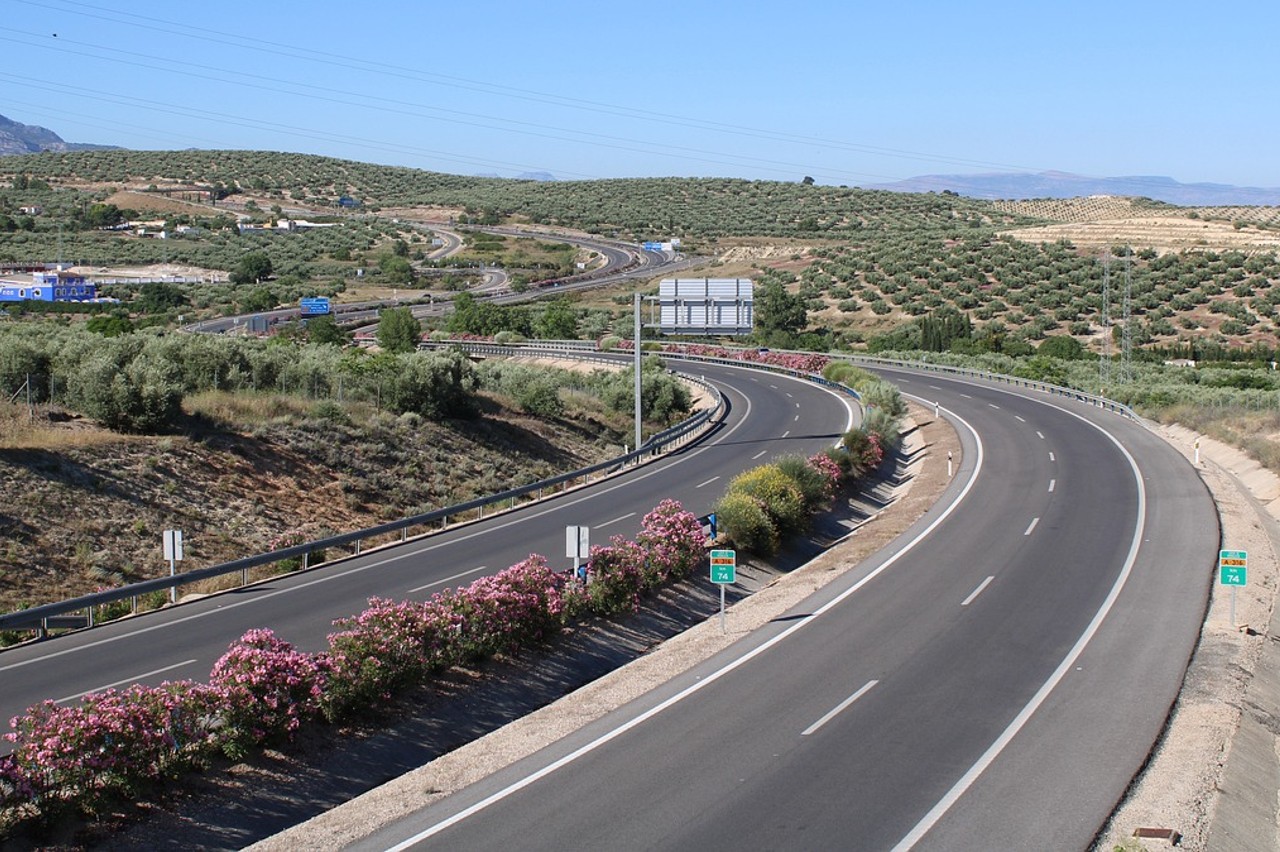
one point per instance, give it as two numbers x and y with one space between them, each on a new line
847 92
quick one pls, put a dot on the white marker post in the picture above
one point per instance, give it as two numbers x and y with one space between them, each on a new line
173 553
577 546
1197 451
949 466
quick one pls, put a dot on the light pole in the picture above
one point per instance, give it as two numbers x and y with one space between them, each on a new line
637 369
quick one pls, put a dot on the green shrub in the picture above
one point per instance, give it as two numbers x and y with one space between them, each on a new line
743 521
810 482
777 494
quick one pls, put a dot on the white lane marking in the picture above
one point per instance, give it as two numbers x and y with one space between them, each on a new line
797 417
133 679
791 396
966 781
1052 457
966 396
616 520
993 405
797 405
608 736
935 387
457 576
1034 521
786 433
977 591
759 454
775 387
1018 417
708 482
843 705
1040 434
1052 482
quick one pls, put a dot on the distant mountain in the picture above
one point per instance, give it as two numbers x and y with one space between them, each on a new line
1065 185
18 138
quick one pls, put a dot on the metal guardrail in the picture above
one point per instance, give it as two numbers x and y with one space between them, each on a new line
1000 378
42 617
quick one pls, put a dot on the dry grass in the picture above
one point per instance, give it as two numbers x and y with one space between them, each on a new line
45 429
1255 432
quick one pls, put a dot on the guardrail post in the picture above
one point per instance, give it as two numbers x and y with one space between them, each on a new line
89 610
357 547
306 559
244 576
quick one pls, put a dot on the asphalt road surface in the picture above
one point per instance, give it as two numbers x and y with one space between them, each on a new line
992 680
768 415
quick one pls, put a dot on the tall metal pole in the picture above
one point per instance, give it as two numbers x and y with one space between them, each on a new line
1104 364
1126 350
639 439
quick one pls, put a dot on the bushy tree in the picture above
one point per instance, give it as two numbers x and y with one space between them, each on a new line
124 389
436 385
251 268
398 330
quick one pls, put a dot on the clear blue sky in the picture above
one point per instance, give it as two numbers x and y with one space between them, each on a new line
847 92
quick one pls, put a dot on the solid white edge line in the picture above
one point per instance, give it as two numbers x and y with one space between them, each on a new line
977 591
1032 526
132 679
432 830
441 582
988 757
839 708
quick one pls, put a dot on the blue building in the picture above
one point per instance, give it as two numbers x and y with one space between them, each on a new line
50 286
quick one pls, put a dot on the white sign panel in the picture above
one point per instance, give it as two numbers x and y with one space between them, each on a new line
577 544
173 545
706 306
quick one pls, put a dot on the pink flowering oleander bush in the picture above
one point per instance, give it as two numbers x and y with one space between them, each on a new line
89 756
390 646
268 690
505 611
616 578
805 362
829 470
865 450
672 541
113 744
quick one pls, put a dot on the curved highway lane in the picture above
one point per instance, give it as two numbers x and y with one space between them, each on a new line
768 415
995 685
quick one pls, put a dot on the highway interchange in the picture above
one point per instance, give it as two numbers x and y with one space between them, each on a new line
998 682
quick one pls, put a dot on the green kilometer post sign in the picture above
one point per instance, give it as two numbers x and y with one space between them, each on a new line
724 566
1233 571
1233 567
724 570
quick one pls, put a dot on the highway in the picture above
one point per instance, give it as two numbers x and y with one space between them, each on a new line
620 262
992 680
768 415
